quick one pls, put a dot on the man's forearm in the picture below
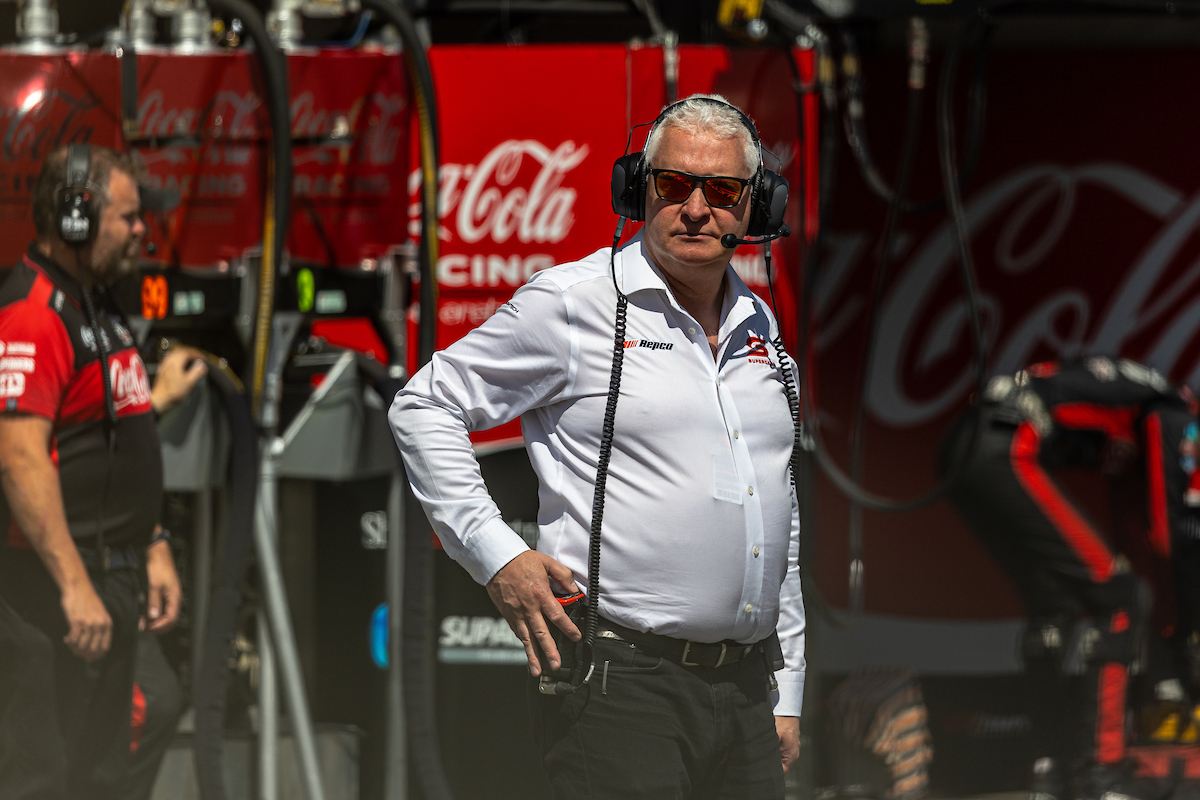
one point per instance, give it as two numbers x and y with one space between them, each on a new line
35 500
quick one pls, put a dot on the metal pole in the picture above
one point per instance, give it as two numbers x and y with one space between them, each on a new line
275 601
202 535
268 714
396 781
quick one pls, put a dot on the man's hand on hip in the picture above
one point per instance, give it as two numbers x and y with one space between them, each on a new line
788 729
521 590
90 626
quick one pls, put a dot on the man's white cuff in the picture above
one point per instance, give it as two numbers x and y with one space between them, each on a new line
790 697
490 548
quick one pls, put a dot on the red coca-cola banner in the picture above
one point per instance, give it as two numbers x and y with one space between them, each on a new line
1083 222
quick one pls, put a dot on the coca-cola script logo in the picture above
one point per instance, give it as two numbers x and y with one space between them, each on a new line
1023 218
486 200
381 133
44 120
131 388
228 113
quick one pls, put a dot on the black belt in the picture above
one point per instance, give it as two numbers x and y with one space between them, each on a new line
681 651
110 558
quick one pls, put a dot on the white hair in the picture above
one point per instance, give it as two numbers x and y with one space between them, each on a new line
697 116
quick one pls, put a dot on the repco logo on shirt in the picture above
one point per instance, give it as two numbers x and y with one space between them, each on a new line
631 343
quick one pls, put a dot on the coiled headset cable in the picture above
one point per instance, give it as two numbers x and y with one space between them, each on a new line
585 664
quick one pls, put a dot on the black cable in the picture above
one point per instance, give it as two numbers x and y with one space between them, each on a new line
233 561
420 713
110 415
848 485
854 122
578 676
858 424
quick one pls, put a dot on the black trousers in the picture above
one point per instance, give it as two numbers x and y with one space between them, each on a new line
158 705
646 727
64 723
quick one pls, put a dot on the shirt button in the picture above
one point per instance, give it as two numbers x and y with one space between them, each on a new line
756 551
691 331
749 608
735 434
751 490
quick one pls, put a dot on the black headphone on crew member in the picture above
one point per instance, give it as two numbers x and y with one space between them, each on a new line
768 190
79 204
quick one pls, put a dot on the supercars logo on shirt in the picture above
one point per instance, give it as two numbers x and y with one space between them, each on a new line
756 351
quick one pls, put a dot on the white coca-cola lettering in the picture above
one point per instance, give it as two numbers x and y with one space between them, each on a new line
381 134
1039 207
230 111
490 270
489 205
129 383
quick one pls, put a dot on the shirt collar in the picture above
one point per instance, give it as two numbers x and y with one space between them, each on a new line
637 273
57 275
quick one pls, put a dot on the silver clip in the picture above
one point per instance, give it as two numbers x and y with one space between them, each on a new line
721 660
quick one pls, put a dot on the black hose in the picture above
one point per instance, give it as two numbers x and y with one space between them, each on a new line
237 548
279 185
855 123
950 185
421 78
420 713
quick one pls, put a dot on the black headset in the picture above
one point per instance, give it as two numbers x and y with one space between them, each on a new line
768 191
79 205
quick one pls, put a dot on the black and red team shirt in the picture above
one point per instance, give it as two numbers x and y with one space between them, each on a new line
50 366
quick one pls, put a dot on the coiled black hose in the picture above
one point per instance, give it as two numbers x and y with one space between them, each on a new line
233 561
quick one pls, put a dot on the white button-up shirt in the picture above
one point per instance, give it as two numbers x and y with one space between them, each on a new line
701 528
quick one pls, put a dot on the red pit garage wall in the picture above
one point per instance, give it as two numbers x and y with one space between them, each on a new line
1083 216
46 102
528 138
201 131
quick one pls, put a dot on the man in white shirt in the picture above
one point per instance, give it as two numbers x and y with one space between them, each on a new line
700 534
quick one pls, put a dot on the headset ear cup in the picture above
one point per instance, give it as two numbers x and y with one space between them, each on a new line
78 215
769 204
629 187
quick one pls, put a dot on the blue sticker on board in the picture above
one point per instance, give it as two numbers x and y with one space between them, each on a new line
379 636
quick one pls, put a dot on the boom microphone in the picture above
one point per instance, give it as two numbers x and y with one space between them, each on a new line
730 241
